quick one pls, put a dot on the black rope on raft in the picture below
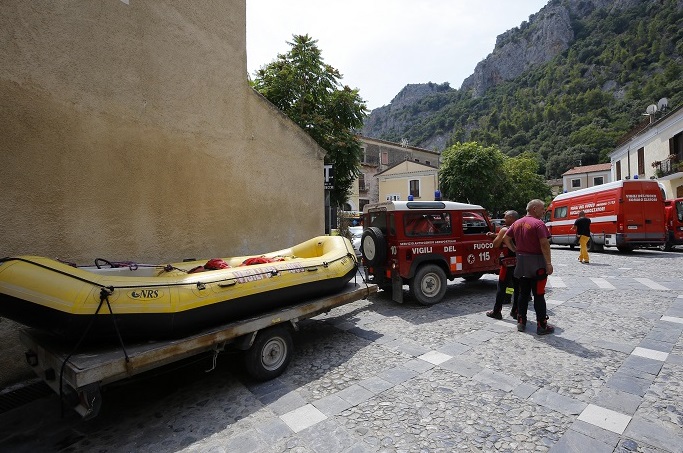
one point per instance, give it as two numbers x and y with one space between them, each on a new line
85 280
165 285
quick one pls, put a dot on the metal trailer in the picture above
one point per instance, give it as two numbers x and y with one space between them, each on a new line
266 340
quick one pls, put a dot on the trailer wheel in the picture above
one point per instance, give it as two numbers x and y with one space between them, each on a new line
428 285
270 354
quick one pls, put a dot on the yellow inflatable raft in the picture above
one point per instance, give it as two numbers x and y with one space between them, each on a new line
162 301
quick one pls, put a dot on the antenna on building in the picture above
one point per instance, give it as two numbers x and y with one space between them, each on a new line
662 104
404 143
650 111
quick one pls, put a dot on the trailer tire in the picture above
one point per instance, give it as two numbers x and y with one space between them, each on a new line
270 354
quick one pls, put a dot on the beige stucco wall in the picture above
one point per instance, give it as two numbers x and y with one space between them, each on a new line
379 155
396 180
129 131
586 179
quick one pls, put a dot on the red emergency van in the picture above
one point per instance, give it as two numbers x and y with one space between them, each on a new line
673 212
625 214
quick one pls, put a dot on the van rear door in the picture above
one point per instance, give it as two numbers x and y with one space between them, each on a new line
643 212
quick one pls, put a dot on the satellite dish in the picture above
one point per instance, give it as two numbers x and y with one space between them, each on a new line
663 104
651 109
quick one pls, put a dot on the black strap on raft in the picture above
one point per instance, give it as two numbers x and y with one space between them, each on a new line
105 292
104 295
356 267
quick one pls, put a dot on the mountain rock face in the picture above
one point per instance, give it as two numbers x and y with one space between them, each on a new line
542 39
547 34
390 117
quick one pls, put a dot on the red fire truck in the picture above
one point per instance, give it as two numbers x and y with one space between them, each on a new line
625 214
425 243
674 223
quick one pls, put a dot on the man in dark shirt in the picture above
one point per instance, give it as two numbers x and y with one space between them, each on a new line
506 276
582 225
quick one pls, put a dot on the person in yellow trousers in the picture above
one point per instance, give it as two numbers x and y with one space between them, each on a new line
582 225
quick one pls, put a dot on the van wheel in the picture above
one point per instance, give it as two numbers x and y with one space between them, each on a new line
373 246
428 285
270 354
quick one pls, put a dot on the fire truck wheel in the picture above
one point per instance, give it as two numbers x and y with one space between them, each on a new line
270 354
593 247
428 285
374 246
666 247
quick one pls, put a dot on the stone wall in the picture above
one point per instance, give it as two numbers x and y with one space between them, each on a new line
130 133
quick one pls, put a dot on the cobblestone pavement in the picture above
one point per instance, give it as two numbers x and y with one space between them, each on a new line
376 376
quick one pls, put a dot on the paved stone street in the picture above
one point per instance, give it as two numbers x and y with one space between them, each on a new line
376 376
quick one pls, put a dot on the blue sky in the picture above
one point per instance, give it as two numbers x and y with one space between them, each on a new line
380 46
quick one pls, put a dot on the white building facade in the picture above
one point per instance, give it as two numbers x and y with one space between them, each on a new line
654 152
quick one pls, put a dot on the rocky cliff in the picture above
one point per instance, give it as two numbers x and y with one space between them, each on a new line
547 34
387 121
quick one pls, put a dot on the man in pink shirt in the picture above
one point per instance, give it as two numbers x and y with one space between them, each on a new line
533 263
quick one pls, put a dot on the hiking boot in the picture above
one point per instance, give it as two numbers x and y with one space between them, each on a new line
494 315
544 329
521 324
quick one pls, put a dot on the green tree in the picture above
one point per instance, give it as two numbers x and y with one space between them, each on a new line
472 173
523 182
482 175
310 93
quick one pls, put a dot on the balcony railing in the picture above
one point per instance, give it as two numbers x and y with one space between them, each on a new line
668 166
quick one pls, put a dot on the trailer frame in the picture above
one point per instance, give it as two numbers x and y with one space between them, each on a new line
78 376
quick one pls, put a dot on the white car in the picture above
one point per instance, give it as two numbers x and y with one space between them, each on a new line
498 223
356 233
